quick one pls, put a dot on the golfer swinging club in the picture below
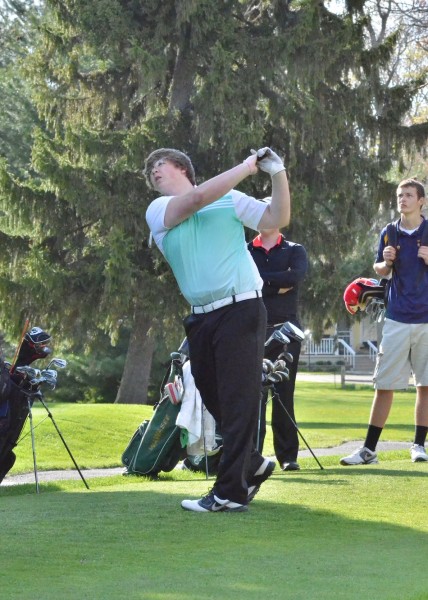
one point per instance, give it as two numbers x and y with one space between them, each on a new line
200 231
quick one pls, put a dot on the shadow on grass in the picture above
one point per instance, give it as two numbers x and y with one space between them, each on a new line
346 426
332 475
135 542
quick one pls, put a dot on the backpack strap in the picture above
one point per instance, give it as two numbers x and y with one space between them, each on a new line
391 238
424 237
391 235
423 241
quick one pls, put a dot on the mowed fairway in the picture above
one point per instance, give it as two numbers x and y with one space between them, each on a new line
337 533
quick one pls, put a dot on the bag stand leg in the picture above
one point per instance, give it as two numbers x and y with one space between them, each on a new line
64 442
30 414
33 445
275 396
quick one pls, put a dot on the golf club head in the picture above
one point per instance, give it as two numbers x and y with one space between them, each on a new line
286 356
29 372
267 365
50 374
279 365
292 331
61 363
37 337
281 337
277 340
49 383
278 376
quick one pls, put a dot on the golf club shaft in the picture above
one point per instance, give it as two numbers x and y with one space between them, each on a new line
204 438
276 396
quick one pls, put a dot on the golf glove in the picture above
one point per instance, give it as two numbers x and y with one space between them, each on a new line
268 161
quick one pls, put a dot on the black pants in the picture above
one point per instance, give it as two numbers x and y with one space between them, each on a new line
285 437
226 349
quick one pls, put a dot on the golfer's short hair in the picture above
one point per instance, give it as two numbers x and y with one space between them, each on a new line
177 157
412 182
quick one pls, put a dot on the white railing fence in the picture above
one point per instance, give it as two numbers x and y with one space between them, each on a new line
335 346
331 346
372 350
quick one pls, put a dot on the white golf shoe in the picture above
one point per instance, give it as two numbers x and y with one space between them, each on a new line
361 456
418 453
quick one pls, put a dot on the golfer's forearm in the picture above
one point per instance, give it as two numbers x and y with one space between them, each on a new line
278 212
215 188
182 206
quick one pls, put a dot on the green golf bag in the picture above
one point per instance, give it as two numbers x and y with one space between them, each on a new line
156 445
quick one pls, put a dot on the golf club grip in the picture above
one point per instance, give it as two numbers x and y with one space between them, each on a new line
264 155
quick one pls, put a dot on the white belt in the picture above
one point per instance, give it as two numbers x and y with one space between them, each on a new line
206 308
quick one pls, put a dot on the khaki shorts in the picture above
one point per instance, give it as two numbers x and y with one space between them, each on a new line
403 351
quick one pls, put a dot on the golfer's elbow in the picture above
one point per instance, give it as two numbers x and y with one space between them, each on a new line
285 220
282 218
196 199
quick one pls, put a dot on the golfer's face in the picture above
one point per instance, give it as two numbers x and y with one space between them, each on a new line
163 176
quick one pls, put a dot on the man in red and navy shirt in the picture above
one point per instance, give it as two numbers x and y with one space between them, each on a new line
282 266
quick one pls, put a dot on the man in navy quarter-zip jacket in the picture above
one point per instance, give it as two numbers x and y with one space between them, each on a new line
282 266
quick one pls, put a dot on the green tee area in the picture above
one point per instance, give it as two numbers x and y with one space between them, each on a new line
336 533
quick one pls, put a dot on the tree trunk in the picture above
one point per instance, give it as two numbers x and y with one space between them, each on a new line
136 373
184 75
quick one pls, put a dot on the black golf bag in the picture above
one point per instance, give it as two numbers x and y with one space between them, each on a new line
16 391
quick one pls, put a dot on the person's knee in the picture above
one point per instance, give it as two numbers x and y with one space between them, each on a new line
422 393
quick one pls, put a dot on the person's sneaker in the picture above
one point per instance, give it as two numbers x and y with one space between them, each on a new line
290 466
263 472
212 503
362 456
418 453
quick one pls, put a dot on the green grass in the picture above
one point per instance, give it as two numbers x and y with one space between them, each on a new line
97 434
332 534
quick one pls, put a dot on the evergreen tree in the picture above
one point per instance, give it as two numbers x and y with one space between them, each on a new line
18 115
114 79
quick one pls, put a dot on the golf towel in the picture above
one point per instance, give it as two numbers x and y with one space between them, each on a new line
191 414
